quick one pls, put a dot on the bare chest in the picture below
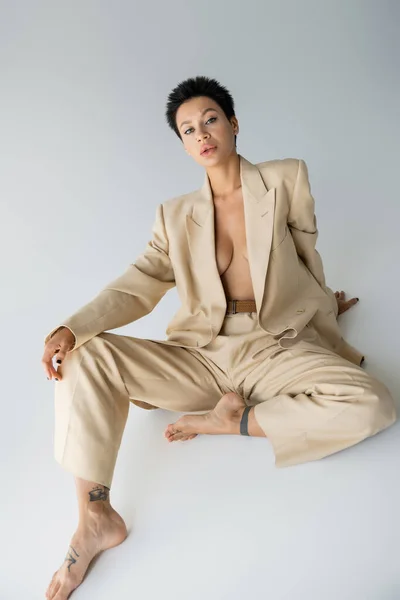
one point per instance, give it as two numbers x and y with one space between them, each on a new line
230 233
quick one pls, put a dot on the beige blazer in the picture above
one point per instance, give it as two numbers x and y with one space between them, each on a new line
286 269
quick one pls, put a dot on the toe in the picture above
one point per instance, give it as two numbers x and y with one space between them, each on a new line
55 590
62 593
182 430
178 436
175 435
52 585
170 431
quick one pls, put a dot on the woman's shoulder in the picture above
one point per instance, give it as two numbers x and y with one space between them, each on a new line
279 171
279 164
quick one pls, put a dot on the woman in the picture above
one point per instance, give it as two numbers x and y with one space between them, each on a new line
255 343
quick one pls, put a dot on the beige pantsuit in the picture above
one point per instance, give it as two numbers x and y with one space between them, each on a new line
288 358
309 401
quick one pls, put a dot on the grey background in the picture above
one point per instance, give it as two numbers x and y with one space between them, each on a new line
86 156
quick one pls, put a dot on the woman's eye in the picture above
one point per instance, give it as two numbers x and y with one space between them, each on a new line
210 119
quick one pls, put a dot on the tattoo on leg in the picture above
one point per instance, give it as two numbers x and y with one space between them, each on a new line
70 558
99 493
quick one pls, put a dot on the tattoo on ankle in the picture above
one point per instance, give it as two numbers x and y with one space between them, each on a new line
99 493
70 558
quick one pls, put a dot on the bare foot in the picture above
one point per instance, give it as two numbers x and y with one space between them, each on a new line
225 418
100 531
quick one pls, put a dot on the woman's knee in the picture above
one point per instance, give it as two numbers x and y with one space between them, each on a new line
379 408
88 353
92 346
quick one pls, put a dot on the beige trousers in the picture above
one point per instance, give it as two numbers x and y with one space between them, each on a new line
309 401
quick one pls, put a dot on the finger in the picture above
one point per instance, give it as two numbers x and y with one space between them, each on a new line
61 353
352 301
346 305
47 361
52 349
51 372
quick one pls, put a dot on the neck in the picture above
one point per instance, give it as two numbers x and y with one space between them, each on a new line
225 177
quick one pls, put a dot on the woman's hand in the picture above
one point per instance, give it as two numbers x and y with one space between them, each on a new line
344 304
61 342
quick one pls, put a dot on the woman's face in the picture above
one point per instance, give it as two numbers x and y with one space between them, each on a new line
201 121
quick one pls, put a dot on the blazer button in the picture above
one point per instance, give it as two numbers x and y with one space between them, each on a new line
301 310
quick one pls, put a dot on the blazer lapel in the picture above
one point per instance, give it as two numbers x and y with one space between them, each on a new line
259 206
259 210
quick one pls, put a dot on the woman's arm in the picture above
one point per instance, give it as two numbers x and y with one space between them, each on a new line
130 296
303 227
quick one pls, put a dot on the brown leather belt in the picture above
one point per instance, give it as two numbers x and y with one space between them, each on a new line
236 306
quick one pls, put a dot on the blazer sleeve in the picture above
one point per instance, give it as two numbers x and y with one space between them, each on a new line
130 296
303 227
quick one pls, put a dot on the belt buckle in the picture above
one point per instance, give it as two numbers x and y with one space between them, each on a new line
234 307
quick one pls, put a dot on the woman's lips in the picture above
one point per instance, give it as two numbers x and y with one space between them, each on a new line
209 151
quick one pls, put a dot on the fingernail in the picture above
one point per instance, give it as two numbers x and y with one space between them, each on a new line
56 378
48 379
59 362
358 299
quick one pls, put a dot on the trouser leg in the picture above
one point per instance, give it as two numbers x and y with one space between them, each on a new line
102 377
91 409
311 403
